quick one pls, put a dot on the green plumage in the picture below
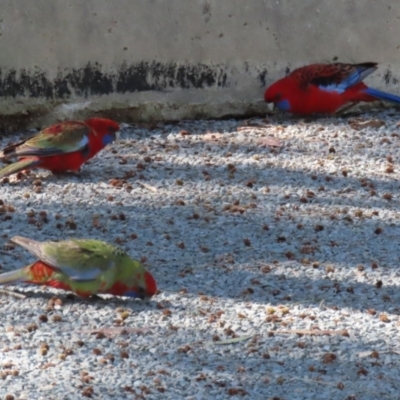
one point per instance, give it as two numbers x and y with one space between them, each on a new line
57 139
18 166
80 257
85 266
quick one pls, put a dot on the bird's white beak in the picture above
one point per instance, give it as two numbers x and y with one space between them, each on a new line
118 135
270 107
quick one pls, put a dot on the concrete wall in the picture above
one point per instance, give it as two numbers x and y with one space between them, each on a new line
140 60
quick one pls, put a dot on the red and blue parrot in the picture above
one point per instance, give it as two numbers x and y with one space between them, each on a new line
61 147
325 89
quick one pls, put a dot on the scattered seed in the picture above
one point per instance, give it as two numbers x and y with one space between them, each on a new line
328 358
246 242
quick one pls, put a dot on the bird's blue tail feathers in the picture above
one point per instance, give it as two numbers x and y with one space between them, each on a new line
383 95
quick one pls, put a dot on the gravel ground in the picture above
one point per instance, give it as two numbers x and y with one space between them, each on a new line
278 267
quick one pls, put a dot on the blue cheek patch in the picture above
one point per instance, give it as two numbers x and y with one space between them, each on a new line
283 105
107 139
133 294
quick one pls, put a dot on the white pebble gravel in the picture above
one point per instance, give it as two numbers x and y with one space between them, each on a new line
292 251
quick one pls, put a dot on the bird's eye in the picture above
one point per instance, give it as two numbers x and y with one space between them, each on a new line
277 97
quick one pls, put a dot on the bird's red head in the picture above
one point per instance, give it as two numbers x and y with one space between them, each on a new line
280 94
274 92
151 285
103 127
148 290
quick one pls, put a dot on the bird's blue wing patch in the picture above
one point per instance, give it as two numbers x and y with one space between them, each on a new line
81 276
351 80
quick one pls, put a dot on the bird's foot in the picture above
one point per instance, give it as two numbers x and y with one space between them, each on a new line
95 297
67 173
344 109
84 297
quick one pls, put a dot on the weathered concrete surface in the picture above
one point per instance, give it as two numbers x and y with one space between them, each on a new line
174 59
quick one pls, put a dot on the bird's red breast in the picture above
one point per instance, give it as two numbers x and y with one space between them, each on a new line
63 162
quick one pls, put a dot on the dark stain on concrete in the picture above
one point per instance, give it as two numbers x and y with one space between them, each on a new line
262 77
90 80
13 84
206 11
387 76
93 79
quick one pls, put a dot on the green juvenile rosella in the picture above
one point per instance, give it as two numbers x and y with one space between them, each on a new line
84 266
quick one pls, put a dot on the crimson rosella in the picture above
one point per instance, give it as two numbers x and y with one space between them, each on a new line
61 147
325 88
